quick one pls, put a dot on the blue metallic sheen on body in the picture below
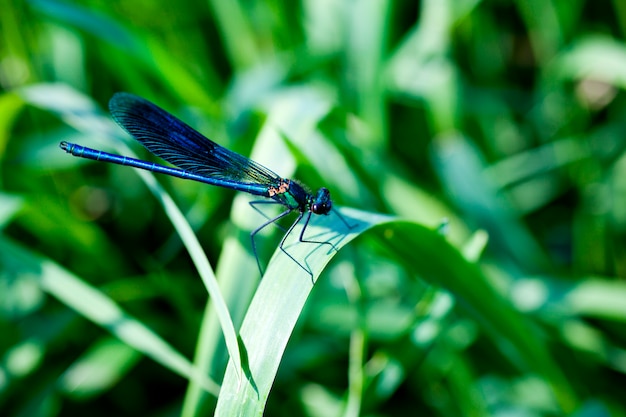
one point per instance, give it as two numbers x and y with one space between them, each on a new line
200 159
96 155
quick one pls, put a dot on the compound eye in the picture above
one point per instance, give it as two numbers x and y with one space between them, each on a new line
322 204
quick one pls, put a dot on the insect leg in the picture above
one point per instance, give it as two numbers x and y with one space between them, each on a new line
255 202
343 219
287 234
302 239
258 229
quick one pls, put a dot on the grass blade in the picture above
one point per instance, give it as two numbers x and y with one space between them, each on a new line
276 307
97 307
72 108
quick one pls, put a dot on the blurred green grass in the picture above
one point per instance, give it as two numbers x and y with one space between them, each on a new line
503 120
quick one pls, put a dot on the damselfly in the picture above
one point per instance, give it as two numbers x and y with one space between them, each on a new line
200 159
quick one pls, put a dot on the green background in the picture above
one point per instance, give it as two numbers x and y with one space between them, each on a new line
493 132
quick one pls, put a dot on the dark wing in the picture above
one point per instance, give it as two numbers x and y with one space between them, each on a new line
173 140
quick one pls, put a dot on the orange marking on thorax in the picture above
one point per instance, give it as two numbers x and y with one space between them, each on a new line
282 189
